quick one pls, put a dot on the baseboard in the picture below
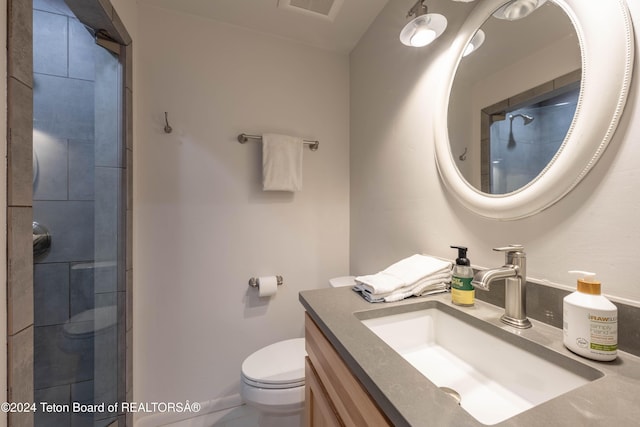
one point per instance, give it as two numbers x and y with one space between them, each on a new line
207 407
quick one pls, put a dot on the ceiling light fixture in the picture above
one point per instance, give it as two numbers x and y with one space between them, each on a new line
424 28
517 9
475 43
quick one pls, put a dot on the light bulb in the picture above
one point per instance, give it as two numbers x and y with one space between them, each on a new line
518 9
423 29
422 37
476 41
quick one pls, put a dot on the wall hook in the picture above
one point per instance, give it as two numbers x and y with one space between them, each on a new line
463 156
167 128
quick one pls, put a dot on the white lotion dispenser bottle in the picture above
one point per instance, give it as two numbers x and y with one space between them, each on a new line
590 321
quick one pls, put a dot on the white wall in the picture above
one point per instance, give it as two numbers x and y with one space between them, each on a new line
399 204
203 225
127 11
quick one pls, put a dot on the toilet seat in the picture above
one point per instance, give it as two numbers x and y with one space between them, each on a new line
277 366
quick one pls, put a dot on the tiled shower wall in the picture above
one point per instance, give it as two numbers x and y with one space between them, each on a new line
520 152
77 196
77 274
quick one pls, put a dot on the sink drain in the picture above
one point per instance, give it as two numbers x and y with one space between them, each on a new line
451 392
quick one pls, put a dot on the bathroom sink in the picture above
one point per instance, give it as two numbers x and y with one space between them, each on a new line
494 373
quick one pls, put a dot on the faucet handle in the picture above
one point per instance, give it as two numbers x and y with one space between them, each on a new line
513 254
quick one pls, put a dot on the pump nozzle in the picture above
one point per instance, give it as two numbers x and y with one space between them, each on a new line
587 282
462 255
586 276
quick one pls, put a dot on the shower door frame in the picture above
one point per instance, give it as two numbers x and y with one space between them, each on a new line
97 14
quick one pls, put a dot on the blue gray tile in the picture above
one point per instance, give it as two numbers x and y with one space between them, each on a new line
55 6
60 395
109 206
82 392
81 170
59 360
108 299
51 181
90 287
86 393
106 358
50 33
63 107
108 101
51 293
71 225
106 273
81 46
81 287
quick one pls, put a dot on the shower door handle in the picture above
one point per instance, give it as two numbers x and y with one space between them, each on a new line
41 239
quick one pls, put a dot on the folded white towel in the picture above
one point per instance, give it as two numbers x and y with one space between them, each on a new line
281 163
427 286
407 272
380 283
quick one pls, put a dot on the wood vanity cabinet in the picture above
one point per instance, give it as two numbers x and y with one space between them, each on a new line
334 396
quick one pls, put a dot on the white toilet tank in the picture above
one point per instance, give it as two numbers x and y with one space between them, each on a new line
338 282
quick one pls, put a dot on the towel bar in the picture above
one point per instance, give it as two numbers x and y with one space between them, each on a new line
243 137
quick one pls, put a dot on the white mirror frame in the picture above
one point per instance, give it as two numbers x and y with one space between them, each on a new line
607 61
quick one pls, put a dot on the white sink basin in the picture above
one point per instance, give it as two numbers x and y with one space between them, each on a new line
496 374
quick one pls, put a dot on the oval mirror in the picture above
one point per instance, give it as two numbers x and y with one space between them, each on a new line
531 110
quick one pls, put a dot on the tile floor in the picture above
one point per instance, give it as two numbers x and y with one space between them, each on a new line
240 416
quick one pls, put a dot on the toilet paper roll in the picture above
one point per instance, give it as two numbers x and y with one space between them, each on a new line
267 286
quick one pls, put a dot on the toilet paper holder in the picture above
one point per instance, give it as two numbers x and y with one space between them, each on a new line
253 282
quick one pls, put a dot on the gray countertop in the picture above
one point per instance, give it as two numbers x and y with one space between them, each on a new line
410 399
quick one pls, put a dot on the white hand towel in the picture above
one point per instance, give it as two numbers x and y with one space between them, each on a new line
417 267
380 283
427 286
400 295
281 163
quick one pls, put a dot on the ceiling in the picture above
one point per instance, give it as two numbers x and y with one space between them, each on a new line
340 34
511 41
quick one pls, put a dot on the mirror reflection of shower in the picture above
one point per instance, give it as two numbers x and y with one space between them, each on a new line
527 120
525 138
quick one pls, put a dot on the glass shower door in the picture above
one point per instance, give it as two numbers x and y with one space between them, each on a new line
78 197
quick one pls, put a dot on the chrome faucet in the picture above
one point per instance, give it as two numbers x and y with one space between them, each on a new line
514 271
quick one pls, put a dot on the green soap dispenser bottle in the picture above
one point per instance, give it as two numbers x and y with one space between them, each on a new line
462 291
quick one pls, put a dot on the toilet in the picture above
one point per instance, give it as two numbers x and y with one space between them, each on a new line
84 338
79 332
272 379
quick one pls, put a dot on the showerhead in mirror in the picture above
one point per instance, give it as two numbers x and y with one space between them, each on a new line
527 118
